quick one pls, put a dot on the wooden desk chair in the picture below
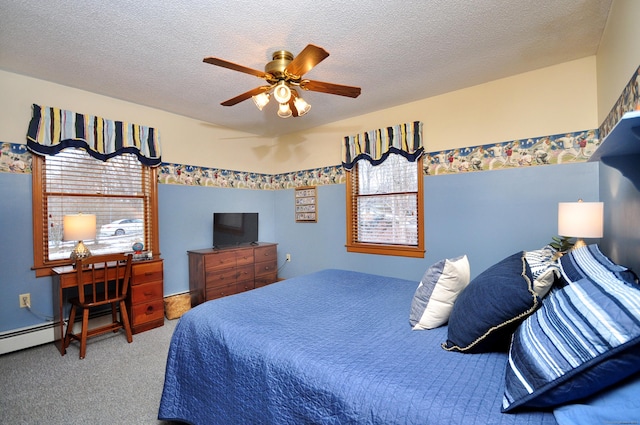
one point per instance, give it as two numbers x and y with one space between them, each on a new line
99 285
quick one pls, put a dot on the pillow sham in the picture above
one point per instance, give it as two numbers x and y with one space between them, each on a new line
489 309
433 300
584 338
544 269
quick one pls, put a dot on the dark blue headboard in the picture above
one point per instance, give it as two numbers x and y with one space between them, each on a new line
619 171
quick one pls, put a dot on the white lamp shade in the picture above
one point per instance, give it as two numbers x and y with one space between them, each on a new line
78 227
261 100
301 106
282 92
284 111
580 219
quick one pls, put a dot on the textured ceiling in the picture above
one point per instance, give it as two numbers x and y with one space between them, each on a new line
150 52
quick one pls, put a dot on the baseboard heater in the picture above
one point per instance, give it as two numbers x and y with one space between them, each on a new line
32 336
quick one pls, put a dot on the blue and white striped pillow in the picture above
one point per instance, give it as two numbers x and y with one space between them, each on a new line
584 338
544 268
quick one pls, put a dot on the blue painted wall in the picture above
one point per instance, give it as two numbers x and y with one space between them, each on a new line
486 215
186 223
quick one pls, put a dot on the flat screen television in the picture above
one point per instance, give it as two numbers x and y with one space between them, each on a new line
234 229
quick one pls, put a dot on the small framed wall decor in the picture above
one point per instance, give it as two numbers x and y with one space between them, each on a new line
306 204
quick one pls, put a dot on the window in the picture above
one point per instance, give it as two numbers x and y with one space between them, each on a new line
384 207
121 192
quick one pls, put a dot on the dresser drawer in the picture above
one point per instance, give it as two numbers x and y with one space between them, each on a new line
220 260
266 267
147 312
265 253
244 257
146 272
223 291
146 292
266 279
214 278
244 273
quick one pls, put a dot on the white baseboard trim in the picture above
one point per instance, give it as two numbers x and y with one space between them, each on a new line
32 336
27 337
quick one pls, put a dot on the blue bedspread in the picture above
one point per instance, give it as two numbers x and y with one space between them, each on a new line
333 347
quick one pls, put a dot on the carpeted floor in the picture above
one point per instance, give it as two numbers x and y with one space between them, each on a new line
117 383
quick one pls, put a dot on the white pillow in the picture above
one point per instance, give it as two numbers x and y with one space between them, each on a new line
433 300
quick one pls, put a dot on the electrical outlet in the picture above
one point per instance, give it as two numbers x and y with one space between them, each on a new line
288 257
25 300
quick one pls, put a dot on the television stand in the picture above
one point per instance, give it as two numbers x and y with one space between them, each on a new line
220 271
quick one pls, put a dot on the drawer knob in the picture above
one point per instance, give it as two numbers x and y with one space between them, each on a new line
149 310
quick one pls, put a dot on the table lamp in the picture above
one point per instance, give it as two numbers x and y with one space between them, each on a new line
79 227
580 220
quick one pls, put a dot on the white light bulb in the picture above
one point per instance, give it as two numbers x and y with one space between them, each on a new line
284 111
282 92
301 106
261 100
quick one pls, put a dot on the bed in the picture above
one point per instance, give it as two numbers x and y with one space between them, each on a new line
332 347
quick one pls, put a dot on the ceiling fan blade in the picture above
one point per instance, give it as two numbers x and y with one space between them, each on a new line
292 106
319 86
234 66
309 57
245 96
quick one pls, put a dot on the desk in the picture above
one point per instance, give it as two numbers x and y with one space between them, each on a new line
145 303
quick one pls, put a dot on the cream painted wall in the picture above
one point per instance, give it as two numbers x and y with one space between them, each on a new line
553 100
184 140
619 53
548 101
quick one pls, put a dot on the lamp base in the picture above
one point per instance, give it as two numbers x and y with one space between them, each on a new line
579 244
80 252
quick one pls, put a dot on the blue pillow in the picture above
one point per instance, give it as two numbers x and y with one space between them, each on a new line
489 309
584 338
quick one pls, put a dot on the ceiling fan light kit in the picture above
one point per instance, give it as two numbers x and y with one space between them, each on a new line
301 105
284 111
261 100
282 92
283 73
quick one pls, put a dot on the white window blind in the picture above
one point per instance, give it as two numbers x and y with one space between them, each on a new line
117 191
386 202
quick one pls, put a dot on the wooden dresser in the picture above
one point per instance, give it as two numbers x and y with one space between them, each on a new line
145 301
218 272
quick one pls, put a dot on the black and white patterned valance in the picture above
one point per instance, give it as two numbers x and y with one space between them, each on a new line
54 129
375 145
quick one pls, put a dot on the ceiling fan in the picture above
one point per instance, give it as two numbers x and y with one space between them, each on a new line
283 74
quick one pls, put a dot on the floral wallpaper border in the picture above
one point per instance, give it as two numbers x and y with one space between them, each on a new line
556 149
215 177
544 150
14 158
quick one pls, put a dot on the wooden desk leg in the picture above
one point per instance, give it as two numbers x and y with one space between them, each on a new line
58 314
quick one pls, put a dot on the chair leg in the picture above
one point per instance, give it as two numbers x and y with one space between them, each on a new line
69 331
114 316
125 321
85 328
